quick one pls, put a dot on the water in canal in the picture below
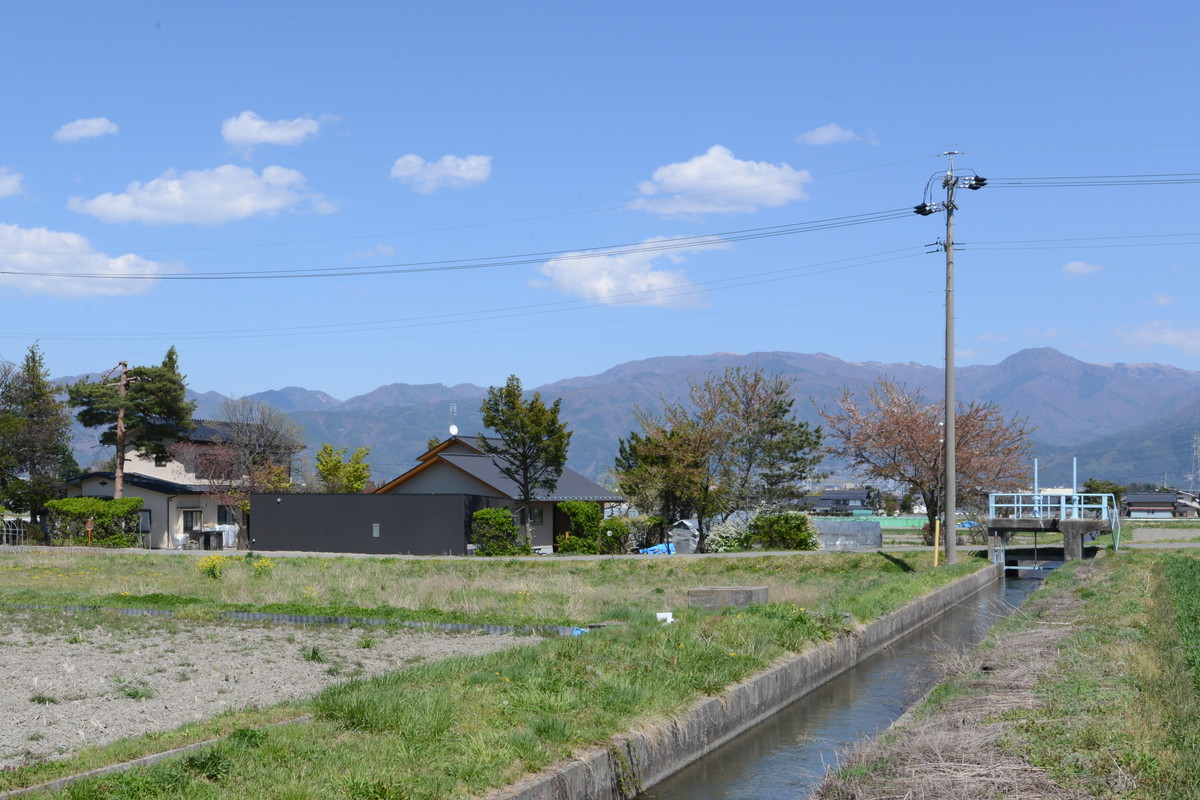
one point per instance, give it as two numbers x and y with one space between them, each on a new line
787 755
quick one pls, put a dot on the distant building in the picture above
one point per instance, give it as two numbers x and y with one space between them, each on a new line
837 501
456 466
1176 504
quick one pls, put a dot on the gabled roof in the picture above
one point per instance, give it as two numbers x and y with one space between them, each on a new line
210 430
466 441
571 485
142 482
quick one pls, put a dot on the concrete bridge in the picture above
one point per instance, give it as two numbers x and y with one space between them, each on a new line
1078 517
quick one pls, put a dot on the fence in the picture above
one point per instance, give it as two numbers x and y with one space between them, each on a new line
12 532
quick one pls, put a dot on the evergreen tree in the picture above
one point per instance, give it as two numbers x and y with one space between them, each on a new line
35 438
532 442
144 408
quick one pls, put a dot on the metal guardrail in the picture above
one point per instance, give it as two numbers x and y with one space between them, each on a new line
1059 506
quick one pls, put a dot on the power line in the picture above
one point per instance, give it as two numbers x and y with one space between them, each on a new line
508 312
447 265
1150 179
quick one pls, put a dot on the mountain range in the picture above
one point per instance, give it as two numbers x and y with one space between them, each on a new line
1120 422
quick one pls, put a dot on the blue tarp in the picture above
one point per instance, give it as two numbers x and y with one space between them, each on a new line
659 550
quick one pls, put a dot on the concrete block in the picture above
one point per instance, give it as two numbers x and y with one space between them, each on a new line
714 598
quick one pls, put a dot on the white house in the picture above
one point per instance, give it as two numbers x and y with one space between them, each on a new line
173 498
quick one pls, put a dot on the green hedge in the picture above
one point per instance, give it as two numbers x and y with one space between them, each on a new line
114 522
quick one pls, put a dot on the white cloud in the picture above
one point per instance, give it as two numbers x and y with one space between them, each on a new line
10 182
447 171
1163 300
26 254
626 278
1161 332
85 129
833 134
248 129
718 183
373 252
204 197
1081 268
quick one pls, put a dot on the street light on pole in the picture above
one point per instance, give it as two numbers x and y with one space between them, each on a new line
950 183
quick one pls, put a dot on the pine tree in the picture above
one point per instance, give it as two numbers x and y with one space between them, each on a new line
145 408
35 437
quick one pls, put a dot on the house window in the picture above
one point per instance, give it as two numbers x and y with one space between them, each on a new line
144 521
192 519
537 516
225 516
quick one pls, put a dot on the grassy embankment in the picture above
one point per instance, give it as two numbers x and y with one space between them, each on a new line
1122 706
1113 712
455 728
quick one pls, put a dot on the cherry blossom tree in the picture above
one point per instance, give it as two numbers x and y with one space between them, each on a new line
896 435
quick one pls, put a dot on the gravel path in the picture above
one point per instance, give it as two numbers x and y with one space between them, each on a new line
69 681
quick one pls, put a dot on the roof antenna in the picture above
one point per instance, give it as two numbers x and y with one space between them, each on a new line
453 412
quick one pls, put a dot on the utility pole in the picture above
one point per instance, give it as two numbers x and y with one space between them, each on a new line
950 511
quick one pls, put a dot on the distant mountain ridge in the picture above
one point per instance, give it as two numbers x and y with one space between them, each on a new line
1077 406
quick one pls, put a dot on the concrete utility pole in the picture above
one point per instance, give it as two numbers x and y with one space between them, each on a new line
951 511
950 183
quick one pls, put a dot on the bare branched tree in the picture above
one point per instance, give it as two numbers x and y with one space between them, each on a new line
252 452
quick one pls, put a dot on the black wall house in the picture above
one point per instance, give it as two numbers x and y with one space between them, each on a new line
376 524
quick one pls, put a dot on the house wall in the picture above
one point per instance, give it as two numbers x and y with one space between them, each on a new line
443 479
166 511
543 535
377 524
172 471
1151 513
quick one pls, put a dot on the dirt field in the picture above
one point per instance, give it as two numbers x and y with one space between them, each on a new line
69 681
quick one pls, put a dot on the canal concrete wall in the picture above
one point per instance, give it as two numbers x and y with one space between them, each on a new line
637 760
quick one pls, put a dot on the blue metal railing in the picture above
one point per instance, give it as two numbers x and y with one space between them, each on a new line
1059 506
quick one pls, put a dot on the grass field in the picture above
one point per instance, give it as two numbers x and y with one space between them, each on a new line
456 727
486 591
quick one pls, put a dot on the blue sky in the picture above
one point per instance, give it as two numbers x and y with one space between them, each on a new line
220 151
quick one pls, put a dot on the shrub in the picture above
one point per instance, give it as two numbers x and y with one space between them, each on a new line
783 530
614 535
495 534
731 536
263 567
584 535
114 522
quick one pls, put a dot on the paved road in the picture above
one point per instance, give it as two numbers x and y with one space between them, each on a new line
1162 545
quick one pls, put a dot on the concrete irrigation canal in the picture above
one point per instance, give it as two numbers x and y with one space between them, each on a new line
787 755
